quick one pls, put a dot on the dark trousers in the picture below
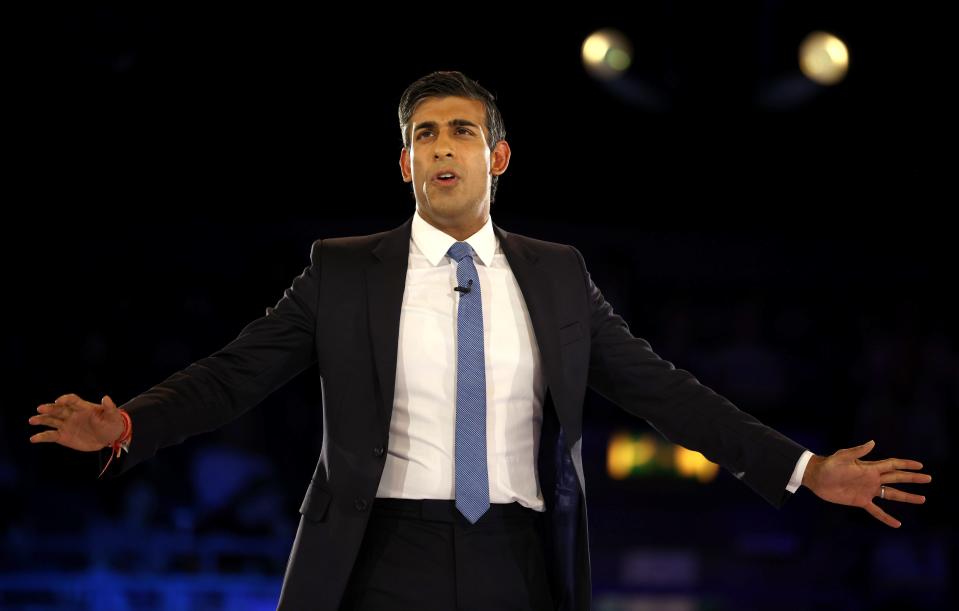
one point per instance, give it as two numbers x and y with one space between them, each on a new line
423 555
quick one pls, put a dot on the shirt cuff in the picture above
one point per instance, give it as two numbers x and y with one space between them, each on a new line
796 480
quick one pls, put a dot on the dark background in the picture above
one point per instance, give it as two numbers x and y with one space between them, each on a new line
789 244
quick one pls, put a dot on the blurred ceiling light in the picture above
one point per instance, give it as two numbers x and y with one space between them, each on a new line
823 58
607 53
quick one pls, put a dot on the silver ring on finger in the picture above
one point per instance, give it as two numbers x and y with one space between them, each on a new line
882 492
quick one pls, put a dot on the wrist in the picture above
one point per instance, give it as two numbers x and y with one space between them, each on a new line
121 430
811 473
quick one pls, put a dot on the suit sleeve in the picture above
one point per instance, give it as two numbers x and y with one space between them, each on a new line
625 370
217 389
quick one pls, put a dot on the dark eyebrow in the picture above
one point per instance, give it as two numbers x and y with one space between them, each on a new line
452 123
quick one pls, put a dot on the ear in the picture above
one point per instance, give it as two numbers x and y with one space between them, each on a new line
405 165
499 158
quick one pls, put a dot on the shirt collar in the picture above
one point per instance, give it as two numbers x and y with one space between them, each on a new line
434 243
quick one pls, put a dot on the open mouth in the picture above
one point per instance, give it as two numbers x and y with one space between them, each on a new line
446 180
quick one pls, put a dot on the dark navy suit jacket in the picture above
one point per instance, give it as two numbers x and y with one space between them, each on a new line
341 318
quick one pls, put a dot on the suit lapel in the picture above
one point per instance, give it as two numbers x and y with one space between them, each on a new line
385 284
534 282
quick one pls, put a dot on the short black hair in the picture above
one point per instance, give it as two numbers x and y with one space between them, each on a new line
447 83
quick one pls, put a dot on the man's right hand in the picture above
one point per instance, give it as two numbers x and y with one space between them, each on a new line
79 424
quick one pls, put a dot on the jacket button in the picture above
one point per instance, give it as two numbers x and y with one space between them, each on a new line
360 504
378 451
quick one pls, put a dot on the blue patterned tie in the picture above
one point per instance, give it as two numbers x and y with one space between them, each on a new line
472 479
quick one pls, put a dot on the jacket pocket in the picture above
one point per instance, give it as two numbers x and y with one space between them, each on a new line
570 333
315 503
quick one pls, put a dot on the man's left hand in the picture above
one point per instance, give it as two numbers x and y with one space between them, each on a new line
845 479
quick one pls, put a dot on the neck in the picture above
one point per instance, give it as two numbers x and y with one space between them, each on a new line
460 229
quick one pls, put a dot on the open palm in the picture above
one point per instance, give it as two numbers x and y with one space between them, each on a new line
845 479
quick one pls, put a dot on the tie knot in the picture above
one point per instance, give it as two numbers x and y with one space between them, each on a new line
460 250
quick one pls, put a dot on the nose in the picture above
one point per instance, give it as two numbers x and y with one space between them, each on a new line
442 147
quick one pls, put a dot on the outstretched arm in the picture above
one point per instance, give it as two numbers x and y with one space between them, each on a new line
624 369
205 395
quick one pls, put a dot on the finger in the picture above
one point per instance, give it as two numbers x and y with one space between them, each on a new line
56 410
904 476
904 497
862 450
45 436
881 515
47 420
898 463
108 402
68 398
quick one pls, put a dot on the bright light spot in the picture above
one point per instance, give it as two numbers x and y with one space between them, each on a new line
823 58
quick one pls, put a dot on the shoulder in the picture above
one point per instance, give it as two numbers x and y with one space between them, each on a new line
541 246
545 249
353 242
346 247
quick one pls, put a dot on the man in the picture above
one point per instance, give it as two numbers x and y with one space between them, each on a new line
455 358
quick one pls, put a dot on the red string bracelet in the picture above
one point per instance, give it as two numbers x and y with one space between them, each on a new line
115 446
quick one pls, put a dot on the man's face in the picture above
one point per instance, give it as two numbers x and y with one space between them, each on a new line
449 135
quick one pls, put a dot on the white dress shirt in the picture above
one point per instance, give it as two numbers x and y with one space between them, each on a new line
420 453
